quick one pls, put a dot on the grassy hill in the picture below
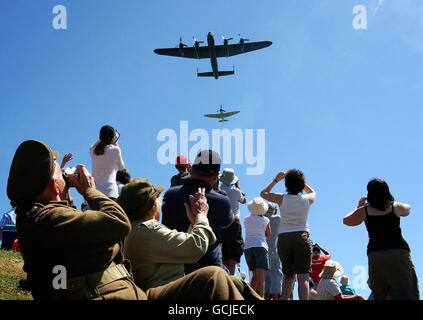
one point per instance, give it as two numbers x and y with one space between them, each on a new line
11 272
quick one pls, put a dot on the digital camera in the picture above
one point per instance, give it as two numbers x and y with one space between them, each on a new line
70 171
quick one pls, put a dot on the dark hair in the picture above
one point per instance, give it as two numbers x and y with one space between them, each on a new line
181 168
123 176
294 181
107 134
378 194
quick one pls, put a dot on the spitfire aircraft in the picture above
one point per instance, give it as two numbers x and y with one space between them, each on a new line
221 115
213 52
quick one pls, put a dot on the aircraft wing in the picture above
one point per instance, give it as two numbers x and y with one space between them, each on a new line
188 52
228 114
213 115
235 49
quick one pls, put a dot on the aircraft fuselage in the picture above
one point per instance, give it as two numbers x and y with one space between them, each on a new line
212 51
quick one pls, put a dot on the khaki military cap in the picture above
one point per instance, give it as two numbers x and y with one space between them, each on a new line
31 170
138 197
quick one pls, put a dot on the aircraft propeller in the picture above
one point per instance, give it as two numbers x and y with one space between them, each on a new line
196 42
225 43
242 42
242 39
181 45
225 40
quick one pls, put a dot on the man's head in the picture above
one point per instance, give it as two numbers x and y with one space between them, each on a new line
182 164
138 198
316 251
345 281
206 166
331 270
35 174
272 208
228 177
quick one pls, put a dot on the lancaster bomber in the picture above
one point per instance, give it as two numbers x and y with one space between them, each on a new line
213 52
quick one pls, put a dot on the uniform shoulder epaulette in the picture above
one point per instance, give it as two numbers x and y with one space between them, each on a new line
39 210
34 210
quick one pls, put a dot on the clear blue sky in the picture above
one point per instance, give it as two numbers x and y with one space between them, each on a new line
343 105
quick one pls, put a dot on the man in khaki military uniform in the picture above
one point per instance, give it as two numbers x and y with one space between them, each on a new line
52 232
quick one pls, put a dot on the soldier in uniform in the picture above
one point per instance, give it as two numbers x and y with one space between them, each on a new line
55 237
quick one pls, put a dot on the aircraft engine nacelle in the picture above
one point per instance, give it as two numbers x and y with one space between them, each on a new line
197 47
242 43
181 49
226 45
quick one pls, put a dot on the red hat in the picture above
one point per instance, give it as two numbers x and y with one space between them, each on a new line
181 161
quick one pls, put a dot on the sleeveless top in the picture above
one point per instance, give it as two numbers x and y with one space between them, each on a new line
384 232
294 212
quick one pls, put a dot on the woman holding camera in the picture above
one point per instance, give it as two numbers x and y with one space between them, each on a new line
391 270
106 156
294 243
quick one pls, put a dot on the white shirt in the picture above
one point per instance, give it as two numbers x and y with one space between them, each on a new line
294 212
104 169
236 197
255 231
328 289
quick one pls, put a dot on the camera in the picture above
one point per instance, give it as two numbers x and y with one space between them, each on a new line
117 135
70 171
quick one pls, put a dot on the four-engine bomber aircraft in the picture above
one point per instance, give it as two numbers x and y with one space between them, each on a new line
213 52
221 115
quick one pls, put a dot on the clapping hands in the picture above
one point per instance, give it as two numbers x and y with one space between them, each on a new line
199 205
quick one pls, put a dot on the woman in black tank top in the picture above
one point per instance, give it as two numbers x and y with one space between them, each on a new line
391 270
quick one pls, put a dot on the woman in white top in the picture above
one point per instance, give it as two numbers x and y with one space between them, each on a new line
294 243
106 156
257 230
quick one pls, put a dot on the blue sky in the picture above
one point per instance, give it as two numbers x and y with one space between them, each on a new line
342 105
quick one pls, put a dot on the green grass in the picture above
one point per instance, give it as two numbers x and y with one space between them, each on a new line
11 272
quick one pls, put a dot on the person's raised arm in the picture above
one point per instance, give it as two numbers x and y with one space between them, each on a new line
268 231
402 209
66 158
325 252
273 197
120 163
242 197
311 193
356 216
